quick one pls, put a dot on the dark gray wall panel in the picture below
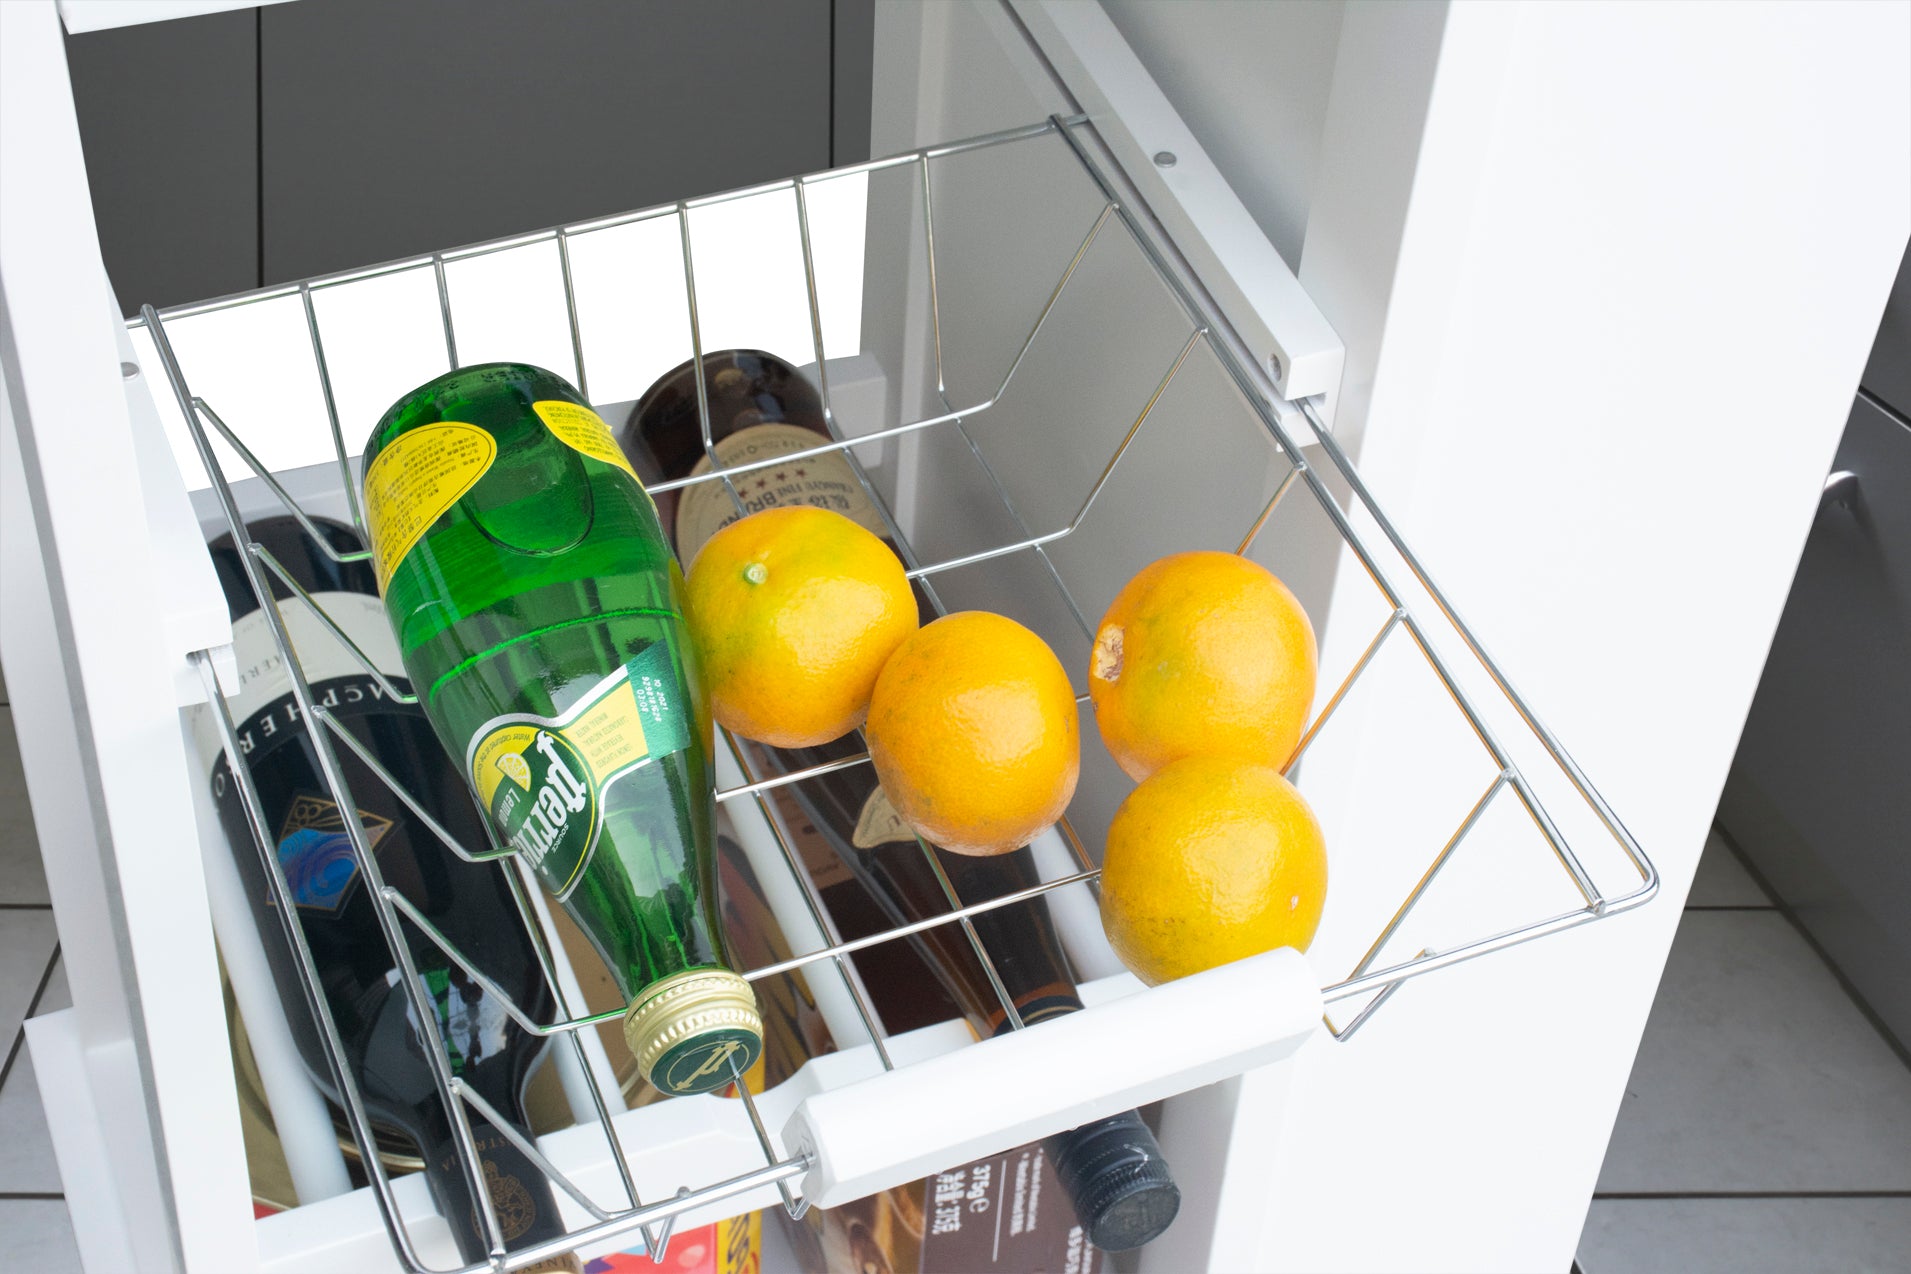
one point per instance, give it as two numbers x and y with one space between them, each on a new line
852 62
393 127
168 117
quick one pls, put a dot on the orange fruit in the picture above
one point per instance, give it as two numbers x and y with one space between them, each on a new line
974 733
1211 859
1202 653
793 612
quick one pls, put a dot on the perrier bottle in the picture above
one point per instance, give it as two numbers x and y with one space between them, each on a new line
538 611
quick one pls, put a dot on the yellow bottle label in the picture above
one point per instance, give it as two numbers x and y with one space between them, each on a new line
415 481
583 431
823 481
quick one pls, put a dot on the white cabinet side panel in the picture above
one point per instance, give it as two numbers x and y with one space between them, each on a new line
1627 305
116 776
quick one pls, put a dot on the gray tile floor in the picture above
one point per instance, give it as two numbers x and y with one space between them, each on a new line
1766 1128
33 1215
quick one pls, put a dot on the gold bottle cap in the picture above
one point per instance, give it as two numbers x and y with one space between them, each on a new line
694 1031
564 1263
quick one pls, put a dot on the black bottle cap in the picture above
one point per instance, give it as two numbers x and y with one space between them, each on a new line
1113 1171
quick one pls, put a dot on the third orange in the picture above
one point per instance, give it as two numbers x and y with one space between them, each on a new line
1202 653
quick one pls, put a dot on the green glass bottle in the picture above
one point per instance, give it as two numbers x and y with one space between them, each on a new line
538 610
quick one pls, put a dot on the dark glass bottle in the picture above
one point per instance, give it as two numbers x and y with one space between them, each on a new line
470 903
906 1227
761 409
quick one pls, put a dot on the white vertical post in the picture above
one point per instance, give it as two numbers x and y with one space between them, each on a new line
93 693
299 1114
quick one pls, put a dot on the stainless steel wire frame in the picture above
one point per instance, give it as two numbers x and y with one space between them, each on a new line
1257 392
1121 207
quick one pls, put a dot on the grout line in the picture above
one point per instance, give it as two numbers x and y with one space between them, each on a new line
1646 1195
10 1195
20 1036
26 906
1870 1015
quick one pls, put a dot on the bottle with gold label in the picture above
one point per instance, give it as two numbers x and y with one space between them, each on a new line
537 607
761 410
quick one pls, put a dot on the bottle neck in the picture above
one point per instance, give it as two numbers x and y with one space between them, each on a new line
521 1197
1019 940
1032 1005
1113 1172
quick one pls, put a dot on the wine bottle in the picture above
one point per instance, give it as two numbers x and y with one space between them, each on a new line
538 610
470 903
762 409
945 1224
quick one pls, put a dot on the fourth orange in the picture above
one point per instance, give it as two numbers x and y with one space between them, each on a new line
1208 861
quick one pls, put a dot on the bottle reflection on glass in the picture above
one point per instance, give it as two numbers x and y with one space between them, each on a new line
470 903
761 410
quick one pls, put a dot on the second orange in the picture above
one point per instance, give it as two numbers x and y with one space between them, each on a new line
974 733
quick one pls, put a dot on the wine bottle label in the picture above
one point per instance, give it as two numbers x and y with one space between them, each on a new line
315 850
314 845
415 480
825 481
510 1200
263 677
992 1215
543 778
879 824
583 431
513 1183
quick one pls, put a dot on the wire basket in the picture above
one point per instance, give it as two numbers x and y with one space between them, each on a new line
1019 466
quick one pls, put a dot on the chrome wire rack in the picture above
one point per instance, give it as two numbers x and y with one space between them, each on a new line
1308 460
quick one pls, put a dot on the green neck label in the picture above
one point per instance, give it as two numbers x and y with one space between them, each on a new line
543 779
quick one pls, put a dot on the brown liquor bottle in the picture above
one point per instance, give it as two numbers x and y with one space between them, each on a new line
939 1225
762 409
